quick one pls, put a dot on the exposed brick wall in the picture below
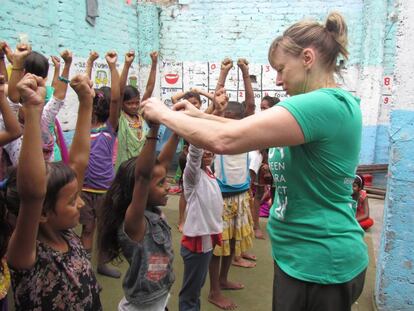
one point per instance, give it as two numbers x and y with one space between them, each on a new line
55 25
211 30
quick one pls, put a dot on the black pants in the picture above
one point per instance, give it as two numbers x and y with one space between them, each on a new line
290 294
195 273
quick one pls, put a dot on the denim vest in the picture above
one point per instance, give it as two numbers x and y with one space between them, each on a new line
150 273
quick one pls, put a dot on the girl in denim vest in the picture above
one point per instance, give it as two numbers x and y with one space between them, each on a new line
134 227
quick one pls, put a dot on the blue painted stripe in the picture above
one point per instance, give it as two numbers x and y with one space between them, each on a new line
395 273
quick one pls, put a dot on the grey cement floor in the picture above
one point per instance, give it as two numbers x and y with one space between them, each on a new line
257 294
376 213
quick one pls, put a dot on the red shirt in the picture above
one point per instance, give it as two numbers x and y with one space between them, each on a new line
195 243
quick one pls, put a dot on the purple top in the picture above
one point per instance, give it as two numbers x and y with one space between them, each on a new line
100 171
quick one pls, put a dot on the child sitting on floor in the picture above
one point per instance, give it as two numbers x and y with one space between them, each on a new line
360 196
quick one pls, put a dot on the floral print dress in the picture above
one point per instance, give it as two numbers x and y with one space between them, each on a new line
57 281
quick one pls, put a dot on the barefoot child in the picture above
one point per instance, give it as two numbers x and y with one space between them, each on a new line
133 227
50 269
100 171
232 173
203 225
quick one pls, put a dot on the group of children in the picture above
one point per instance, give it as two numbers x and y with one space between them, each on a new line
50 190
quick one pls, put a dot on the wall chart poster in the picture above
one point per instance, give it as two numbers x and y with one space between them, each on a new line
183 76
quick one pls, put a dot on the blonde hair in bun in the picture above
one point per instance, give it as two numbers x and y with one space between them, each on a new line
330 40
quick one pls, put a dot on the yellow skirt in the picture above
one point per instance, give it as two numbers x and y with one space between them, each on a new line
237 225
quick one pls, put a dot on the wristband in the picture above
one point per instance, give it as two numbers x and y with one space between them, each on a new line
153 137
63 79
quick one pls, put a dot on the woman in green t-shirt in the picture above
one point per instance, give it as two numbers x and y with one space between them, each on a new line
319 253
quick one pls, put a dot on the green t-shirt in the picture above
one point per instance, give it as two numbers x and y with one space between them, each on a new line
314 233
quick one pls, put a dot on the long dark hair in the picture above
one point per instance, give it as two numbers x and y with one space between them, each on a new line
59 174
130 92
37 64
101 104
117 200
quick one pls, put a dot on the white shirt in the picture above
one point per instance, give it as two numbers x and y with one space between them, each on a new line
256 159
204 200
232 169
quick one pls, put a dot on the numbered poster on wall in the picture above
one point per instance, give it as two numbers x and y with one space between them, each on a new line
213 74
269 78
195 76
171 74
255 72
232 80
167 93
232 95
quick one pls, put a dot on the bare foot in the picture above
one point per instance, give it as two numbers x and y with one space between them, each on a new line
249 256
222 302
258 234
241 262
228 285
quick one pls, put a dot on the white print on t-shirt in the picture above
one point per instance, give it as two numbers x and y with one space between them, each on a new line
279 179
348 181
157 267
273 150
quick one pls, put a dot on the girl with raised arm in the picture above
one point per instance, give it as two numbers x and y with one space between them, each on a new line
50 269
132 131
100 171
133 226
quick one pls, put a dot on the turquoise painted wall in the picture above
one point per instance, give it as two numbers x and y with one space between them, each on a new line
55 25
395 265
204 30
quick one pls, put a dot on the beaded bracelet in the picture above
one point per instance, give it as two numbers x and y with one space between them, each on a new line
153 137
63 79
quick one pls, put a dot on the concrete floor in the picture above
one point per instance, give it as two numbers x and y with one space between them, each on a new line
257 294
376 213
